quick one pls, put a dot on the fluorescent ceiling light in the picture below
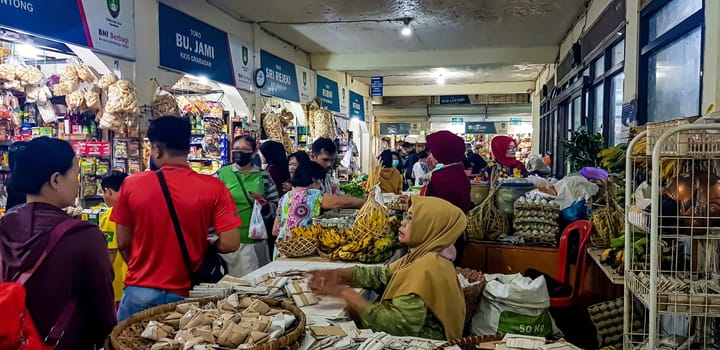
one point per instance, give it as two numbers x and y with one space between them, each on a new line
406 29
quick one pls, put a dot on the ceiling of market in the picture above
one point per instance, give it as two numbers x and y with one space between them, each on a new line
475 41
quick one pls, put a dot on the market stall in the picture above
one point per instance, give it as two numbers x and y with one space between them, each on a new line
49 91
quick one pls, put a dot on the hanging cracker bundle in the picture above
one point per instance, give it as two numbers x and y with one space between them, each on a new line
372 218
485 221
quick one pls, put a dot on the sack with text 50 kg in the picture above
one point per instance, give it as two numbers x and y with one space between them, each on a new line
257 228
516 305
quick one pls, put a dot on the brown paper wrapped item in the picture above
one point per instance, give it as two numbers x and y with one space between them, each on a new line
245 303
204 332
185 307
232 335
187 317
183 336
166 344
156 331
173 320
198 320
258 306
258 338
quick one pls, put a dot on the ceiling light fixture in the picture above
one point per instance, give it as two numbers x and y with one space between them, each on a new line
406 29
441 80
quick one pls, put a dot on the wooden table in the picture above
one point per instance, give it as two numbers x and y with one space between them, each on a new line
495 257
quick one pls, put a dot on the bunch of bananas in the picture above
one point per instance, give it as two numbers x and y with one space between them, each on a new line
333 238
312 232
613 158
381 251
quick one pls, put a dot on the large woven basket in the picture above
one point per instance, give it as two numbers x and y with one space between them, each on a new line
473 293
126 335
296 247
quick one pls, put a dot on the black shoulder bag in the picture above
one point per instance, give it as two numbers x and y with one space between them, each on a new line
213 267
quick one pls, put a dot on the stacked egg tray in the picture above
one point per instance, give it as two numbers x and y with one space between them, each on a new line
608 319
536 221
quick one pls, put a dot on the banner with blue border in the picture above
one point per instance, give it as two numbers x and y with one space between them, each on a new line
357 106
280 77
104 25
329 94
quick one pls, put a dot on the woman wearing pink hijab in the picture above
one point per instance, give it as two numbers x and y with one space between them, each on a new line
503 149
449 182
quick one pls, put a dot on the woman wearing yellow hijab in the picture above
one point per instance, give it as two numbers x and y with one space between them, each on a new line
422 295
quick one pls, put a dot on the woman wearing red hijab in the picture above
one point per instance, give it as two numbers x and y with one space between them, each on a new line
503 149
448 181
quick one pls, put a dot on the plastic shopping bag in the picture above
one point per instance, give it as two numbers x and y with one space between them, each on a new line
257 228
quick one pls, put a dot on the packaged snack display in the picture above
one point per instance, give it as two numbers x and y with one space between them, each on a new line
164 104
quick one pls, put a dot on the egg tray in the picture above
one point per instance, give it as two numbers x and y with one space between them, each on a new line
608 319
536 222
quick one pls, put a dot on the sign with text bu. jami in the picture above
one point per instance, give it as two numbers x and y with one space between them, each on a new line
191 46
357 106
280 77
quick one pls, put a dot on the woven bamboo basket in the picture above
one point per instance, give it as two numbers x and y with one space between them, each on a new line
473 293
470 342
126 335
296 247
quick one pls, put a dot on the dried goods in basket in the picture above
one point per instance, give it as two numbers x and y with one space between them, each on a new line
473 292
372 218
295 247
128 335
485 221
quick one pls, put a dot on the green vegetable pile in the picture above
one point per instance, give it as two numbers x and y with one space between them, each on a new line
353 189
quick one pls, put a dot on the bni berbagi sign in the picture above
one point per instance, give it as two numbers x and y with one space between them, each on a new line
107 26
194 47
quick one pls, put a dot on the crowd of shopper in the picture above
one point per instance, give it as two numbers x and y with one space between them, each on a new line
170 228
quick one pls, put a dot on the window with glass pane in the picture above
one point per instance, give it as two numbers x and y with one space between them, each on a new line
577 113
599 65
671 15
620 132
618 53
598 108
674 79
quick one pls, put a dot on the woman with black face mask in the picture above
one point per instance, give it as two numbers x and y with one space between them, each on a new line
248 184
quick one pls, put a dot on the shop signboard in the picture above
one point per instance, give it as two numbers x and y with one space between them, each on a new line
486 128
107 26
280 77
344 99
376 86
243 63
194 47
460 100
516 121
327 91
357 106
307 84
395 128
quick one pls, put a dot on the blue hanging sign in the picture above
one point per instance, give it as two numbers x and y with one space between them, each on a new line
107 26
327 91
191 46
376 86
281 77
455 100
357 106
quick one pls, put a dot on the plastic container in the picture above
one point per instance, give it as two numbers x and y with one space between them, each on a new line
478 193
508 193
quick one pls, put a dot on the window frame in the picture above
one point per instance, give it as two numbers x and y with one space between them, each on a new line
671 36
604 52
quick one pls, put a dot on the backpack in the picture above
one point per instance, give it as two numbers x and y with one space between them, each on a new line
17 329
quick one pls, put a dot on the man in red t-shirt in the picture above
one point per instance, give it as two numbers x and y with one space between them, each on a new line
146 237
